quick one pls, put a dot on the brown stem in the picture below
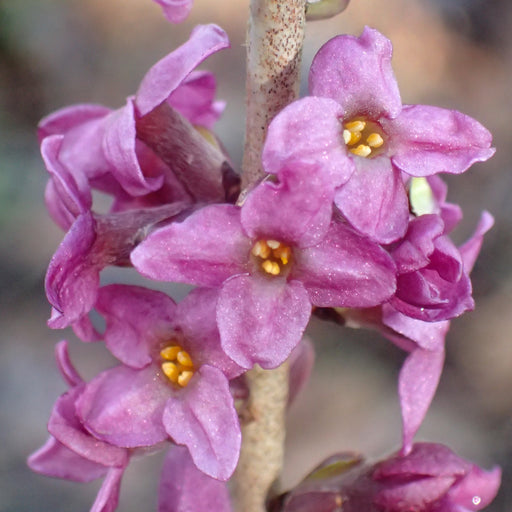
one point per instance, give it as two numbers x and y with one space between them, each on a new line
274 48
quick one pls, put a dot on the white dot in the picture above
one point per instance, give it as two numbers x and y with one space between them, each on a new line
476 500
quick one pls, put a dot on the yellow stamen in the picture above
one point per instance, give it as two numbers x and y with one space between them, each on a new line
271 267
374 140
261 249
361 150
171 371
184 358
283 253
355 126
273 244
347 136
170 353
185 377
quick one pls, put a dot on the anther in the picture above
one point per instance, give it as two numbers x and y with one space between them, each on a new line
361 150
170 353
184 377
171 371
184 358
355 126
374 140
283 253
273 244
261 249
271 267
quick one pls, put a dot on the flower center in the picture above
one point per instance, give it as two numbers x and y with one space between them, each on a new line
272 256
177 365
363 138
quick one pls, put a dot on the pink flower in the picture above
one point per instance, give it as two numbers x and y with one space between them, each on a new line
368 143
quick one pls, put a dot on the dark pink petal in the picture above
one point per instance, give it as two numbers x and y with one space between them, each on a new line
183 488
261 319
302 360
416 495
66 196
72 278
67 118
66 367
295 212
374 200
424 459
345 270
124 407
308 131
428 335
175 10
138 321
55 459
167 74
476 490
196 319
203 418
428 140
470 249
68 430
205 249
108 495
412 253
417 385
356 72
119 146
194 99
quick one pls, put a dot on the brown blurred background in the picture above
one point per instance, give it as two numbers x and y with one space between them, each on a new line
451 53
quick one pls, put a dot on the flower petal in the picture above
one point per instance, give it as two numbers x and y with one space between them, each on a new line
196 318
66 367
374 200
205 249
55 459
208 428
168 73
261 319
345 270
357 73
183 488
138 320
108 495
308 131
124 407
296 212
194 99
471 248
417 385
427 140
175 10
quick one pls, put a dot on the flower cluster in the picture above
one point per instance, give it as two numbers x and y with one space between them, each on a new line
351 218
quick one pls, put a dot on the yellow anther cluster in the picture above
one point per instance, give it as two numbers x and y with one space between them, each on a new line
355 131
274 255
177 366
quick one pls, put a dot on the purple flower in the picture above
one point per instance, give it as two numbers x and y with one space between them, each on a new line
73 453
368 142
148 152
431 478
270 262
175 10
173 382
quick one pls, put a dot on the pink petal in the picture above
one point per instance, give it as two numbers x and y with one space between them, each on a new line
205 249
374 200
108 495
356 72
168 73
261 319
345 270
175 10
66 367
428 140
471 248
124 407
417 385
183 488
208 428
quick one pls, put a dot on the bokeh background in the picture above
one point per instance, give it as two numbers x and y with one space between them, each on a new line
452 53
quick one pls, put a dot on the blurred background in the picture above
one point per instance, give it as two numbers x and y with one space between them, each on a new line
451 53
